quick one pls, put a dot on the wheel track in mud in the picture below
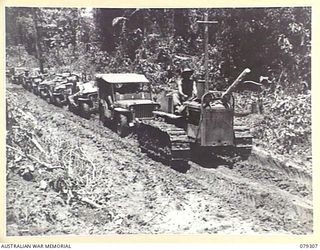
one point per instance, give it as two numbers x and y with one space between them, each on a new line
239 190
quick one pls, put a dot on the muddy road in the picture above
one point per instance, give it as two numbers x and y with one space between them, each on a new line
115 188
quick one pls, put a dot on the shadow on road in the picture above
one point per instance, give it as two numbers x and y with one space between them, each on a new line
210 160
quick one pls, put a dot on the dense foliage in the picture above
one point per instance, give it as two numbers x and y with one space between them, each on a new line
274 41
285 124
271 41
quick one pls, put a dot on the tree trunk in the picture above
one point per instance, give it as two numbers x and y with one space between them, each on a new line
181 22
37 38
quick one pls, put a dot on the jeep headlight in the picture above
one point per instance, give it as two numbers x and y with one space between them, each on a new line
131 108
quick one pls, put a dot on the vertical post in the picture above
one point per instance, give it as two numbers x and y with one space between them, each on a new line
206 44
206 56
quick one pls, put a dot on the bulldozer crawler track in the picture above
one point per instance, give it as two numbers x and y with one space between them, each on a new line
243 141
164 141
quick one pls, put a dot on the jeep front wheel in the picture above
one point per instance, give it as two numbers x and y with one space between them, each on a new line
49 99
35 91
58 101
122 126
102 117
85 110
42 94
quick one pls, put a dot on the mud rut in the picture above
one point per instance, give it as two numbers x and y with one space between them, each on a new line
146 196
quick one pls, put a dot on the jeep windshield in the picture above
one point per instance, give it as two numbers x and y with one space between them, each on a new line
129 91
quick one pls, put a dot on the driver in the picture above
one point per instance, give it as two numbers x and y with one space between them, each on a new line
187 90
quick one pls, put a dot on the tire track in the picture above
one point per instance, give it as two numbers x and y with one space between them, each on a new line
210 200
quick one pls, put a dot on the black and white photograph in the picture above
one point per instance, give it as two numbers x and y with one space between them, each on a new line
157 121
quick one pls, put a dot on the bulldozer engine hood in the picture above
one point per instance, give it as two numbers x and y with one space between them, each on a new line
128 103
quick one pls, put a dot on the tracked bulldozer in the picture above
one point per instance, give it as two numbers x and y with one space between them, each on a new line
206 126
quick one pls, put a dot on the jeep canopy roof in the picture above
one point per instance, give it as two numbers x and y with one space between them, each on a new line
123 78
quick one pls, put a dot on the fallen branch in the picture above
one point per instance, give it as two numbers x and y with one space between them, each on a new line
93 165
280 77
90 202
37 144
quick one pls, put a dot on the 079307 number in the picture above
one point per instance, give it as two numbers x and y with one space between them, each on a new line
309 246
